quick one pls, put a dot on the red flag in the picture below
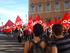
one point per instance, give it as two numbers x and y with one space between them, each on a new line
57 20
30 23
44 25
37 18
9 26
64 20
1 28
68 18
18 22
52 22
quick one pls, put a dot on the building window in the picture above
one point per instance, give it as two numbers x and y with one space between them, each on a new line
66 4
40 7
32 7
48 6
57 6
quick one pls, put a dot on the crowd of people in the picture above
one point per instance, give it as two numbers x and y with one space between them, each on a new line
54 39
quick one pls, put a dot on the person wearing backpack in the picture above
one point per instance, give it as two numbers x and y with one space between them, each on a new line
36 45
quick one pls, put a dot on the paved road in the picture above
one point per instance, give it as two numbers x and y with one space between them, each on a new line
7 45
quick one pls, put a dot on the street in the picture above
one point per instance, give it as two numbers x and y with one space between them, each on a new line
8 45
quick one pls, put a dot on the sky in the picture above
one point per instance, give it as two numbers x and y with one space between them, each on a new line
10 9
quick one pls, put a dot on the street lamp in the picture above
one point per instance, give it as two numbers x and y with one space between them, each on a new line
26 19
1 21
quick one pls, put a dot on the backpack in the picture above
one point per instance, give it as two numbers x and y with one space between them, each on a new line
36 48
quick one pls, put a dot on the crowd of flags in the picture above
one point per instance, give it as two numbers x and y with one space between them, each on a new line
9 26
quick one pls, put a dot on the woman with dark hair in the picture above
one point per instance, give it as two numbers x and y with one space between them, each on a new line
60 43
36 45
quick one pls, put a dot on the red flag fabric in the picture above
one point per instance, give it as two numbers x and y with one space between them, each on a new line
18 22
38 18
8 30
57 20
30 23
44 25
1 28
52 22
66 19
9 26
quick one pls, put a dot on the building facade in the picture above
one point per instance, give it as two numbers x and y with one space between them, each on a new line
48 8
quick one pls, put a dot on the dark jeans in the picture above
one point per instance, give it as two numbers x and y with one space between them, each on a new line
19 39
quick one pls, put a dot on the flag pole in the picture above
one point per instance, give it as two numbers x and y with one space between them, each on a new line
26 20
